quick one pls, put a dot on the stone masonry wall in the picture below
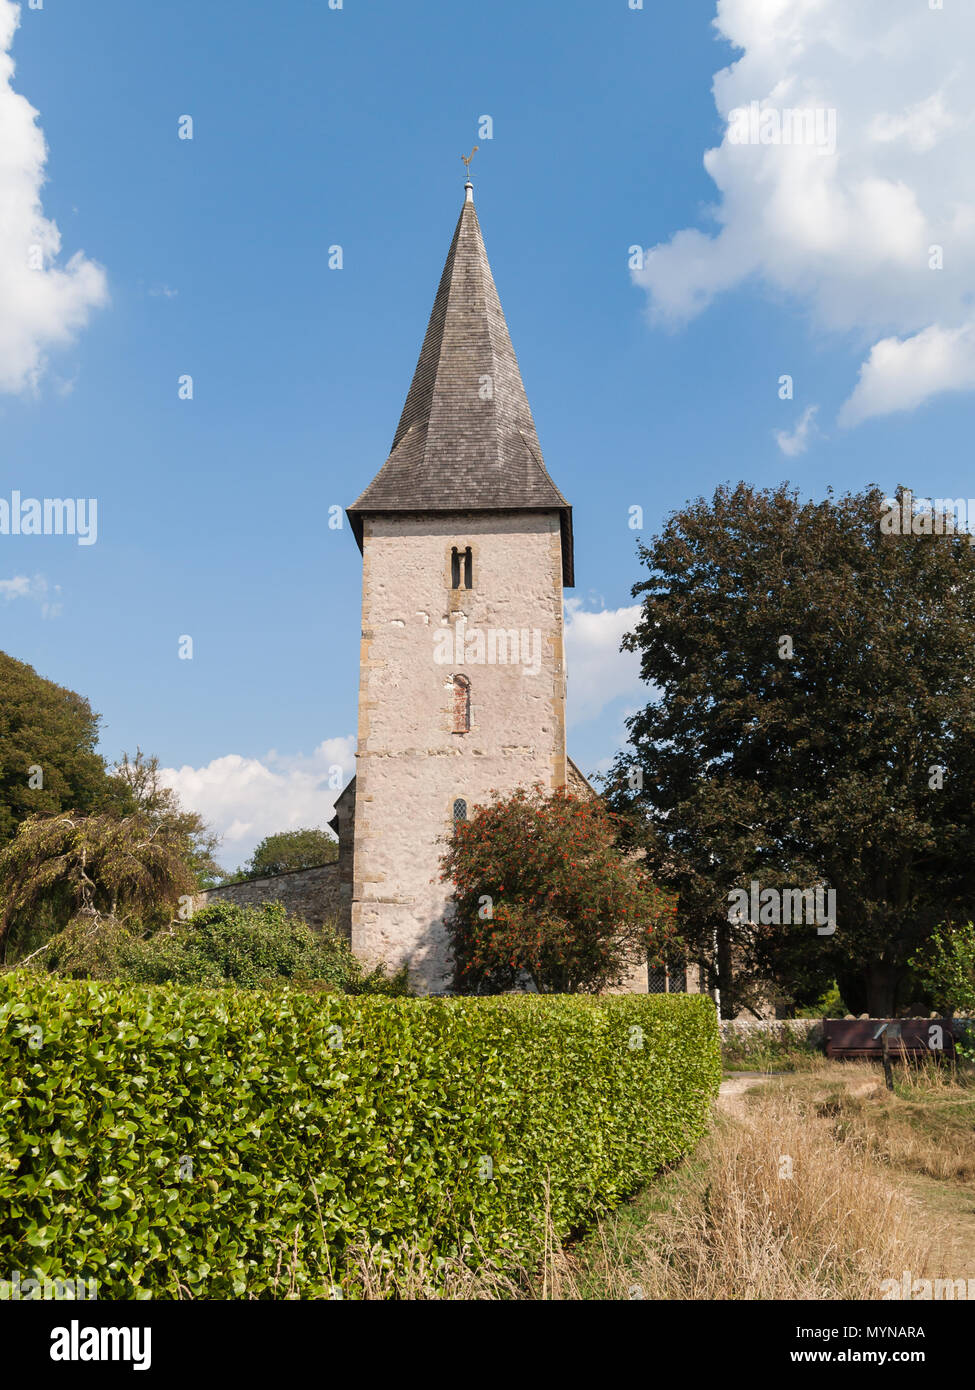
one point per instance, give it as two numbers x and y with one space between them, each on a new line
312 894
411 766
783 1029
344 826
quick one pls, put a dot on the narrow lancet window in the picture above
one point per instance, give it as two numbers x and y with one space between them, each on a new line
460 809
462 705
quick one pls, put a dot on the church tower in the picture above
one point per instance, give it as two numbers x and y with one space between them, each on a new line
466 546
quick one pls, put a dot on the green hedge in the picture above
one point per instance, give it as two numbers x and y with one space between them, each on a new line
313 1123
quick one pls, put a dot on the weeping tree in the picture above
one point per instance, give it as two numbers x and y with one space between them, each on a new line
141 779
85 870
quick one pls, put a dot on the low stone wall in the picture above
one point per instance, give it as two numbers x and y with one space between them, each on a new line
805 1030
312 894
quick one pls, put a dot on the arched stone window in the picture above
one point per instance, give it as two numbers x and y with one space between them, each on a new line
460 809
461 713
461 568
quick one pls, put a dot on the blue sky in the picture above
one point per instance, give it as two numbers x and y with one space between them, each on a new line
314 127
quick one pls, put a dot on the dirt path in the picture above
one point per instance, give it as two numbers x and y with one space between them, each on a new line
732 1091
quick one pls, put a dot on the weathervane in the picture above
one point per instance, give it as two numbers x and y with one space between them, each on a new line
467 160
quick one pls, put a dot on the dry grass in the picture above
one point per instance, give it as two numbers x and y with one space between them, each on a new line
416 1277
926 1126
818 1185
371 1273
739 1227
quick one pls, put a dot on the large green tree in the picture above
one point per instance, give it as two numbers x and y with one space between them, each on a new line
813 723
48 761
306 848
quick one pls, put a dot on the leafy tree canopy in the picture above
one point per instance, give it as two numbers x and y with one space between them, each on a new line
48 761
813 675
161 807
290 849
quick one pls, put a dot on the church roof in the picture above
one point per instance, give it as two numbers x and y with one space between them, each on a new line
577 782
466 439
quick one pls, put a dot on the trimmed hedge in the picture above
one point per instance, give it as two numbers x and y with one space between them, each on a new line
313 1123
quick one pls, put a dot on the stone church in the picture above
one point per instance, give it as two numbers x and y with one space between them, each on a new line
466 548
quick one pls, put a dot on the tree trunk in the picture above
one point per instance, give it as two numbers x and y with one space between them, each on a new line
872 990
881 980
854 991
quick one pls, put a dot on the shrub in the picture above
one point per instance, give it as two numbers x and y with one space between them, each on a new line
780 1047
221 945
540 887
224 943
165 1141
830 1004
92 948
946 966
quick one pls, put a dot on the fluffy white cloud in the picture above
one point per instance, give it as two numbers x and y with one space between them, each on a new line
851 231
901 373
244 799
42 304
598 671
35 588
798 441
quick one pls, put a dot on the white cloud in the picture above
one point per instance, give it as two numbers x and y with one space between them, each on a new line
798 441
598 672
846 233
921 125
18 587
901 373
244 799
36 589
42 304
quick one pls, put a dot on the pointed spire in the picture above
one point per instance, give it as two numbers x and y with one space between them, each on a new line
466 439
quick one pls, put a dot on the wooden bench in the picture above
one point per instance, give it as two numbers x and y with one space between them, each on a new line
864 1037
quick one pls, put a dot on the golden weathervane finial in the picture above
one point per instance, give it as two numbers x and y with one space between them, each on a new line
467 160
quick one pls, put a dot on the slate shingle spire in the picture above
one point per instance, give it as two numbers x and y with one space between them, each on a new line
466 440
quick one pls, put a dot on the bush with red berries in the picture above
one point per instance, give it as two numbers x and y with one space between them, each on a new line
541 892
